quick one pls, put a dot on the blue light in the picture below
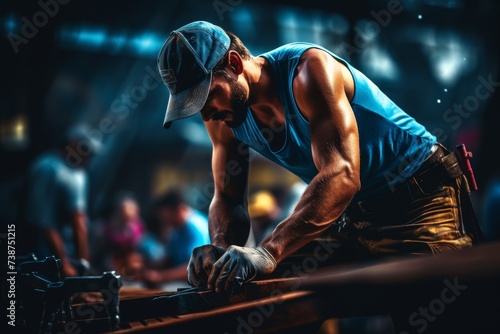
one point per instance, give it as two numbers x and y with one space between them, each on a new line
83 38
91 37
10 24
380 64
146 44
117 42
112 42
143 44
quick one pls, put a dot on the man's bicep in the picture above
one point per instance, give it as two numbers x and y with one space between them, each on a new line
334 134
321 95
76 191
333 147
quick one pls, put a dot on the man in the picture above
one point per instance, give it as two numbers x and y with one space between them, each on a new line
175 229
376 181
118 234
56 202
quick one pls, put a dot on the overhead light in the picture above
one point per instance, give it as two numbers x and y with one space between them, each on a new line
98 39
14 133
380 64
449 55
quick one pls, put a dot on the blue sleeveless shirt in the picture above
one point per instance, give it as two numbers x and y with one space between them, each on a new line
392 144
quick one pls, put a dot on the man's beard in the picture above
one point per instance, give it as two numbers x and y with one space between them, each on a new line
239 102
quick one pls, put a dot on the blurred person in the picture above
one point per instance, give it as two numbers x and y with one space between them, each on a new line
57 200
177 230
291 198
378 182
121 231
264 211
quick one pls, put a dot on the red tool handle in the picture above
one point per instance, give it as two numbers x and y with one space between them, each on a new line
464 159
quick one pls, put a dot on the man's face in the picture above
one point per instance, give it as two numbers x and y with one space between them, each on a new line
129 210
226 102
172 217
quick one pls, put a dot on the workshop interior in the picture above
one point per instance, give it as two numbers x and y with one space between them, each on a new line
90 69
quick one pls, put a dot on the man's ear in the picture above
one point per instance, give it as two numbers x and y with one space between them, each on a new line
235 62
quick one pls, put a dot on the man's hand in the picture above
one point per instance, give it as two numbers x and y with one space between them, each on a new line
201 262
239 265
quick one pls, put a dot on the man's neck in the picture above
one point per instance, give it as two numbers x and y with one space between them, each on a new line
264 99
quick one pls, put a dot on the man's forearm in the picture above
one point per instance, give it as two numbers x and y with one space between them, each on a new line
317 209
81 236
56 244
229 223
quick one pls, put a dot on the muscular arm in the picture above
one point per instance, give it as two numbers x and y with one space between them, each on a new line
56 242
320 93
80 235
229 223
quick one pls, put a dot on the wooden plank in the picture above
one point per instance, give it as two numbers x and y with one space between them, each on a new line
266 315
399 286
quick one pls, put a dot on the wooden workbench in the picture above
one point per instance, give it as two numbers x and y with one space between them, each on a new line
456 292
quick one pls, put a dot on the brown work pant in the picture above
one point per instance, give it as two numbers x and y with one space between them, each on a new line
426 224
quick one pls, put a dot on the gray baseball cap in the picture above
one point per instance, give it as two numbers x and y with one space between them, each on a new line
185 63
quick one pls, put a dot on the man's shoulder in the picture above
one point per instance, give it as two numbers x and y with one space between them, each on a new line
294 55
289 50
313 65
46 164
198 222
198 219
50 167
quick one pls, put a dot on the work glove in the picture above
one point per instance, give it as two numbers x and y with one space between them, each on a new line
201 262
239 265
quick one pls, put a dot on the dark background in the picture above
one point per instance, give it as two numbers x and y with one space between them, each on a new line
87 57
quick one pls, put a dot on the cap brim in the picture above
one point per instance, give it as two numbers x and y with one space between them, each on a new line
188 102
